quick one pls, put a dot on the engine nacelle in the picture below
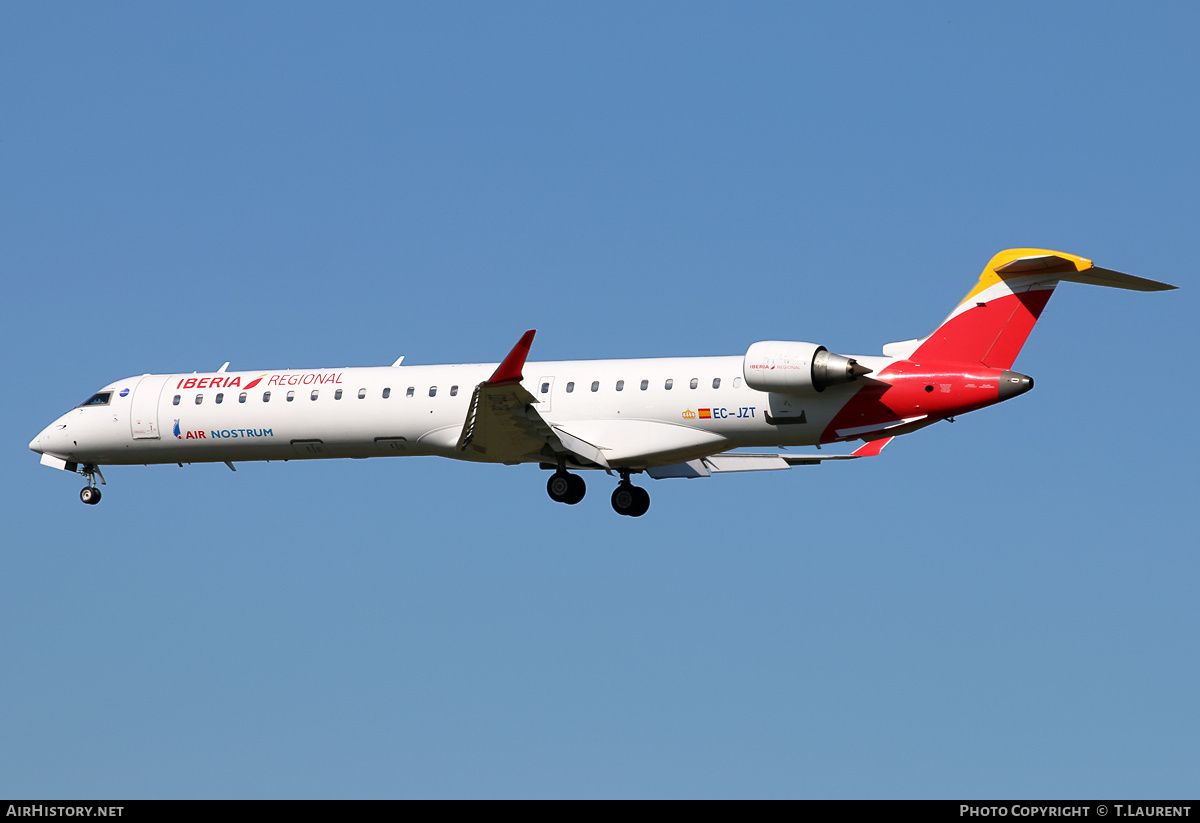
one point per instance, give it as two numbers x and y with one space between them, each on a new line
795 368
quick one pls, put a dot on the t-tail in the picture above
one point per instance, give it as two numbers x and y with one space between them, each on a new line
993 321
966 364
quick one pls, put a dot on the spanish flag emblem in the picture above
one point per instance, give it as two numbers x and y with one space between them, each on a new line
706 414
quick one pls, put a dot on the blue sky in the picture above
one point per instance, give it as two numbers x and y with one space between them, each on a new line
1000 607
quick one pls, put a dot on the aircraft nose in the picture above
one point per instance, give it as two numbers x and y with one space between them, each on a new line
40 443
48 437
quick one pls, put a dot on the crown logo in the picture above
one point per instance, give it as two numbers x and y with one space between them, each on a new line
689 415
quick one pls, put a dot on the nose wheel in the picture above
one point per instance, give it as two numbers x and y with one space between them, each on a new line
630 500
564 487
89 494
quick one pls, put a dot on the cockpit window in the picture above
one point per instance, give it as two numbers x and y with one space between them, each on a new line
97 399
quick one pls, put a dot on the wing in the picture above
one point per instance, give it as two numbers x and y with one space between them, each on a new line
501 423
504 426
739 462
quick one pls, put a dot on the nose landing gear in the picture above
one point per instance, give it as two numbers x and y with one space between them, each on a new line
89 494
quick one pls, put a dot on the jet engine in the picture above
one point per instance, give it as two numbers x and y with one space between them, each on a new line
795 368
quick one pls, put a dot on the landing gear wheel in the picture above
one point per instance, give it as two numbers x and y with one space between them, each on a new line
630 500
578 489
642 503
89 495
564 487
558 486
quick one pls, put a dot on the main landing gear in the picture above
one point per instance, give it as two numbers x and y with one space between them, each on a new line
628 499
89 494
564 487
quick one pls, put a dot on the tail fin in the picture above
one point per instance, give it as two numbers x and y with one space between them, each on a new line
992 322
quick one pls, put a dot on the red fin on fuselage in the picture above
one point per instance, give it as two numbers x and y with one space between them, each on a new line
991 332
993 321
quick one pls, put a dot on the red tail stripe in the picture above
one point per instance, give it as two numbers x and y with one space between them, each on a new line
991 334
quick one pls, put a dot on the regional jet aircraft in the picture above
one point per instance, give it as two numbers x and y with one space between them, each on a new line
664 417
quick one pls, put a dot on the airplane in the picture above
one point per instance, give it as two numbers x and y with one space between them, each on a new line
665 417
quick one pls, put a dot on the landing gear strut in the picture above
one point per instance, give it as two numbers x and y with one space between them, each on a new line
630 500
89 494
564 487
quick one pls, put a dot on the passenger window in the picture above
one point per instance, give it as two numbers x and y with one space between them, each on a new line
737 382
387 393
570 388
454 391
220 397
411 391
668 384
620 385
313 396
545 388
337 395
175 402
199 399
595 385
716 382
645 385
433 391
362 394
266 397
242 397
694 383
291 396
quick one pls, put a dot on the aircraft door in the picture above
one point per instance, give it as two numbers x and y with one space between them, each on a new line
143 411
545 390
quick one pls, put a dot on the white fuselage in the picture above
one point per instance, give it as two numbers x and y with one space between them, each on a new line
420 410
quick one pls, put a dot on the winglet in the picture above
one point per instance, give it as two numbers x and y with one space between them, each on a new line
871 448
510 369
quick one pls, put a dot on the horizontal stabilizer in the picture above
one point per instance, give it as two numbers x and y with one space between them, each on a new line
1096 276
1083 271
